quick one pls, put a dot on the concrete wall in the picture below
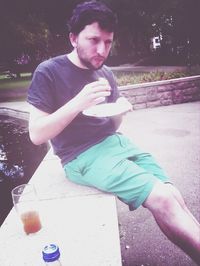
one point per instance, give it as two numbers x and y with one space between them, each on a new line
162 93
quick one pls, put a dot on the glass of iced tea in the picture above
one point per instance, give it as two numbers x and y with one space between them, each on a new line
26 204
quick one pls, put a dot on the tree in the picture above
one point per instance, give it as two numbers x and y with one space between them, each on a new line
33 37
29 36
40 27
132 38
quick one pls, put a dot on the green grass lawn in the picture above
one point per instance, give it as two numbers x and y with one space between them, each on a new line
15 83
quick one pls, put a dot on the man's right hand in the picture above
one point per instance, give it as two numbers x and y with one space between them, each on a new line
92 94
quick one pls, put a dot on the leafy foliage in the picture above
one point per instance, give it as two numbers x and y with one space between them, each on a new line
124 78
31 37
39 28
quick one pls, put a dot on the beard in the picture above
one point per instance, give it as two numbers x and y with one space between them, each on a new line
85 61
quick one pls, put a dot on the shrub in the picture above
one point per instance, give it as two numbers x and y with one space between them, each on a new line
126 78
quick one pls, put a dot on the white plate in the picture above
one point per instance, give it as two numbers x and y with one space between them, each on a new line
106 109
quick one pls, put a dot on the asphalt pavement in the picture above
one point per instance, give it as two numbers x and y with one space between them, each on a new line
172 135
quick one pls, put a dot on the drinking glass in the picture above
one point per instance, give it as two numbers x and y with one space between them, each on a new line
26 204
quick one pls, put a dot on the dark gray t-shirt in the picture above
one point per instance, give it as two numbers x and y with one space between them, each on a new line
54 83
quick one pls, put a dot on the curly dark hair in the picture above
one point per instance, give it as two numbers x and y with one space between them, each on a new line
89 12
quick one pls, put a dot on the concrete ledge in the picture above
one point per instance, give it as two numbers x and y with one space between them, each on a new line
50 181
82 220
14 113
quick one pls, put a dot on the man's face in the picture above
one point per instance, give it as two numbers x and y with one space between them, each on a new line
92 46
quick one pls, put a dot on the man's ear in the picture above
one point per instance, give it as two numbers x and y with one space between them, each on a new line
73 39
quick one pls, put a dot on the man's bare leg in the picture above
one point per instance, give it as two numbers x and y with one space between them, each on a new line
180 199
174 219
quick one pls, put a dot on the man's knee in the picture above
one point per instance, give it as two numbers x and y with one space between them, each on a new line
161 199
176 194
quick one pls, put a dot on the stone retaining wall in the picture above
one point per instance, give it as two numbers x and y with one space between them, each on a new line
161 93
144 95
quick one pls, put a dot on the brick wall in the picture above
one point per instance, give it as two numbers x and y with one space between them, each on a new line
164 92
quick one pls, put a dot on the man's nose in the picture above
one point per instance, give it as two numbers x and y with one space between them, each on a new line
101 48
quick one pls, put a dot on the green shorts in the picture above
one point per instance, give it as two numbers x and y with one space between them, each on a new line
117 166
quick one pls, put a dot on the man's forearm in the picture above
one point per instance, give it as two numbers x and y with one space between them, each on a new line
43 126
117 120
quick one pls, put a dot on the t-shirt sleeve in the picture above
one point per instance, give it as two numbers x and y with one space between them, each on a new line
41 91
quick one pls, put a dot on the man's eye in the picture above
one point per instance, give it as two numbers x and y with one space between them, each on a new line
94 40
108 42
